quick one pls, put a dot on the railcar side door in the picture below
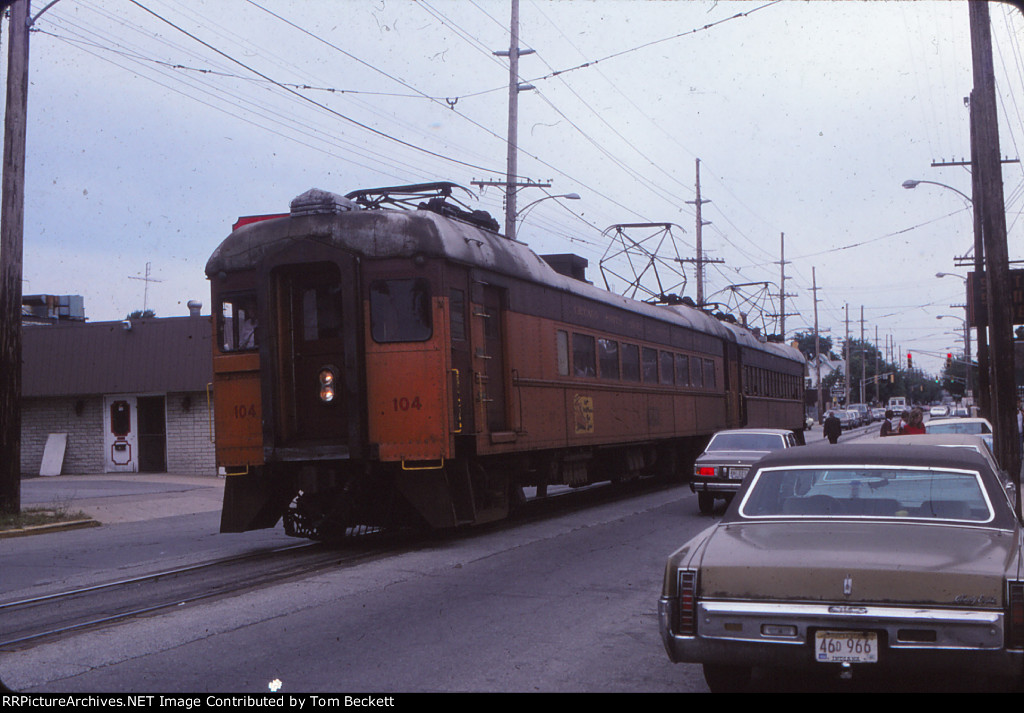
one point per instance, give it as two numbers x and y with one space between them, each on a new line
490 358
312 356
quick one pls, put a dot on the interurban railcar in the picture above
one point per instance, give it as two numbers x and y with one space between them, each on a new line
378 359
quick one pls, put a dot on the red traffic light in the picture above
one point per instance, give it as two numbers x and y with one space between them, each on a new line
909 360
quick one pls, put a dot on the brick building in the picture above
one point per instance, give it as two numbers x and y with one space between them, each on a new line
122 396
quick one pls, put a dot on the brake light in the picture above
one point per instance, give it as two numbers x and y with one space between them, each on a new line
1015 615
686 625
706 471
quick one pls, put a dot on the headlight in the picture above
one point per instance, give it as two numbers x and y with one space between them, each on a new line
327 379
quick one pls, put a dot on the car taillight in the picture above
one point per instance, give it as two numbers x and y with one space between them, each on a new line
706 471
686 625
1015 615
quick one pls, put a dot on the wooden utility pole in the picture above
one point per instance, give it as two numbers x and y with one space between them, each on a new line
782 286
863 359
12 214
817 338
989 171
700 261
981 313
846 375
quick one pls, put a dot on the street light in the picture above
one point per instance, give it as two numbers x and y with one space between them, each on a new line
522 213
911 183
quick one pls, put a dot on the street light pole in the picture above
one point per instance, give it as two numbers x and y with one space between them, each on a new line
521 215
967 331
911 183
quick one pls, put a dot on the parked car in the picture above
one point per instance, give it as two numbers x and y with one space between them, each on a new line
878 414
959 425
863 412
979 443
719 471
976 426
939 411
803 571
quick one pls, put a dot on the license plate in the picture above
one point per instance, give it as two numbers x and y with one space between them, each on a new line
738 473
846 646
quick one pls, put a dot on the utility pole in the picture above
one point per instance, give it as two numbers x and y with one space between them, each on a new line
997 273
847 368
878 387
863 360
817 337
782 286
514 87
12 219
700 260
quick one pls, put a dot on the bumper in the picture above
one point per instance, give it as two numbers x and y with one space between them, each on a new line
782 636
717 485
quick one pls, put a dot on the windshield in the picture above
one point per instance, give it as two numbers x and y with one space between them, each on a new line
873 492
746 442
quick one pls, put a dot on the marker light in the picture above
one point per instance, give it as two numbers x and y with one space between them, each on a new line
327 379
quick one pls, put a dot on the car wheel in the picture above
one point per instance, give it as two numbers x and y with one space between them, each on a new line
727 679
706 503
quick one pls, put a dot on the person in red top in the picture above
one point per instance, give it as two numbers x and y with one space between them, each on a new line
915 424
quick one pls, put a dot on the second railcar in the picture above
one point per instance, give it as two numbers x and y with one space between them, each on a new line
374 363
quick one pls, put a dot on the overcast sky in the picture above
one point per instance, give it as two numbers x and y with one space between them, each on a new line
154 124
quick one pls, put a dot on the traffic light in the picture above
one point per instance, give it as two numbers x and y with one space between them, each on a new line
910 362
949 360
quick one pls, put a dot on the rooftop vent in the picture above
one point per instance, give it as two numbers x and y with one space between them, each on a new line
569 265
317 202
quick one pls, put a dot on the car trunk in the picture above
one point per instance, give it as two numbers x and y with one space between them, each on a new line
857 562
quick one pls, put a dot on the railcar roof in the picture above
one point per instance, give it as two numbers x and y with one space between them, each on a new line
408 233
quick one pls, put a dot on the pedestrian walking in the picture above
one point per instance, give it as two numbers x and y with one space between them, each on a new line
887 425
832 428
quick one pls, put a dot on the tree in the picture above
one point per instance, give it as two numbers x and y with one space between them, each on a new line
805 343
141 314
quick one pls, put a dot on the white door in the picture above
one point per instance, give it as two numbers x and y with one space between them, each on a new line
121 434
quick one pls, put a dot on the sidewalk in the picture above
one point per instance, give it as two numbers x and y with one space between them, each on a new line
109 498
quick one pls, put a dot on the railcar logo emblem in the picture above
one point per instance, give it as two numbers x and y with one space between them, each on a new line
583 413
848 585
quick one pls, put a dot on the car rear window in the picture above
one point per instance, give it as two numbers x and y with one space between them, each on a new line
746 442
968 428
868 492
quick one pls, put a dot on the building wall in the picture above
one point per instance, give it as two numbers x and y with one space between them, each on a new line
189 446
79 417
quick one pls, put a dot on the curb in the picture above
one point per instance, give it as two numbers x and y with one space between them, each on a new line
52 527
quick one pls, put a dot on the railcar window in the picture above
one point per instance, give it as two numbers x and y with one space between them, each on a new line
584 356
682 370
457 314
668 371
321 312
236 323
650 364
400 310
630 362
608 358
709 374
562 344
696 374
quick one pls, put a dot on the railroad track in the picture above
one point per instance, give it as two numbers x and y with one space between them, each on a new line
29 621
